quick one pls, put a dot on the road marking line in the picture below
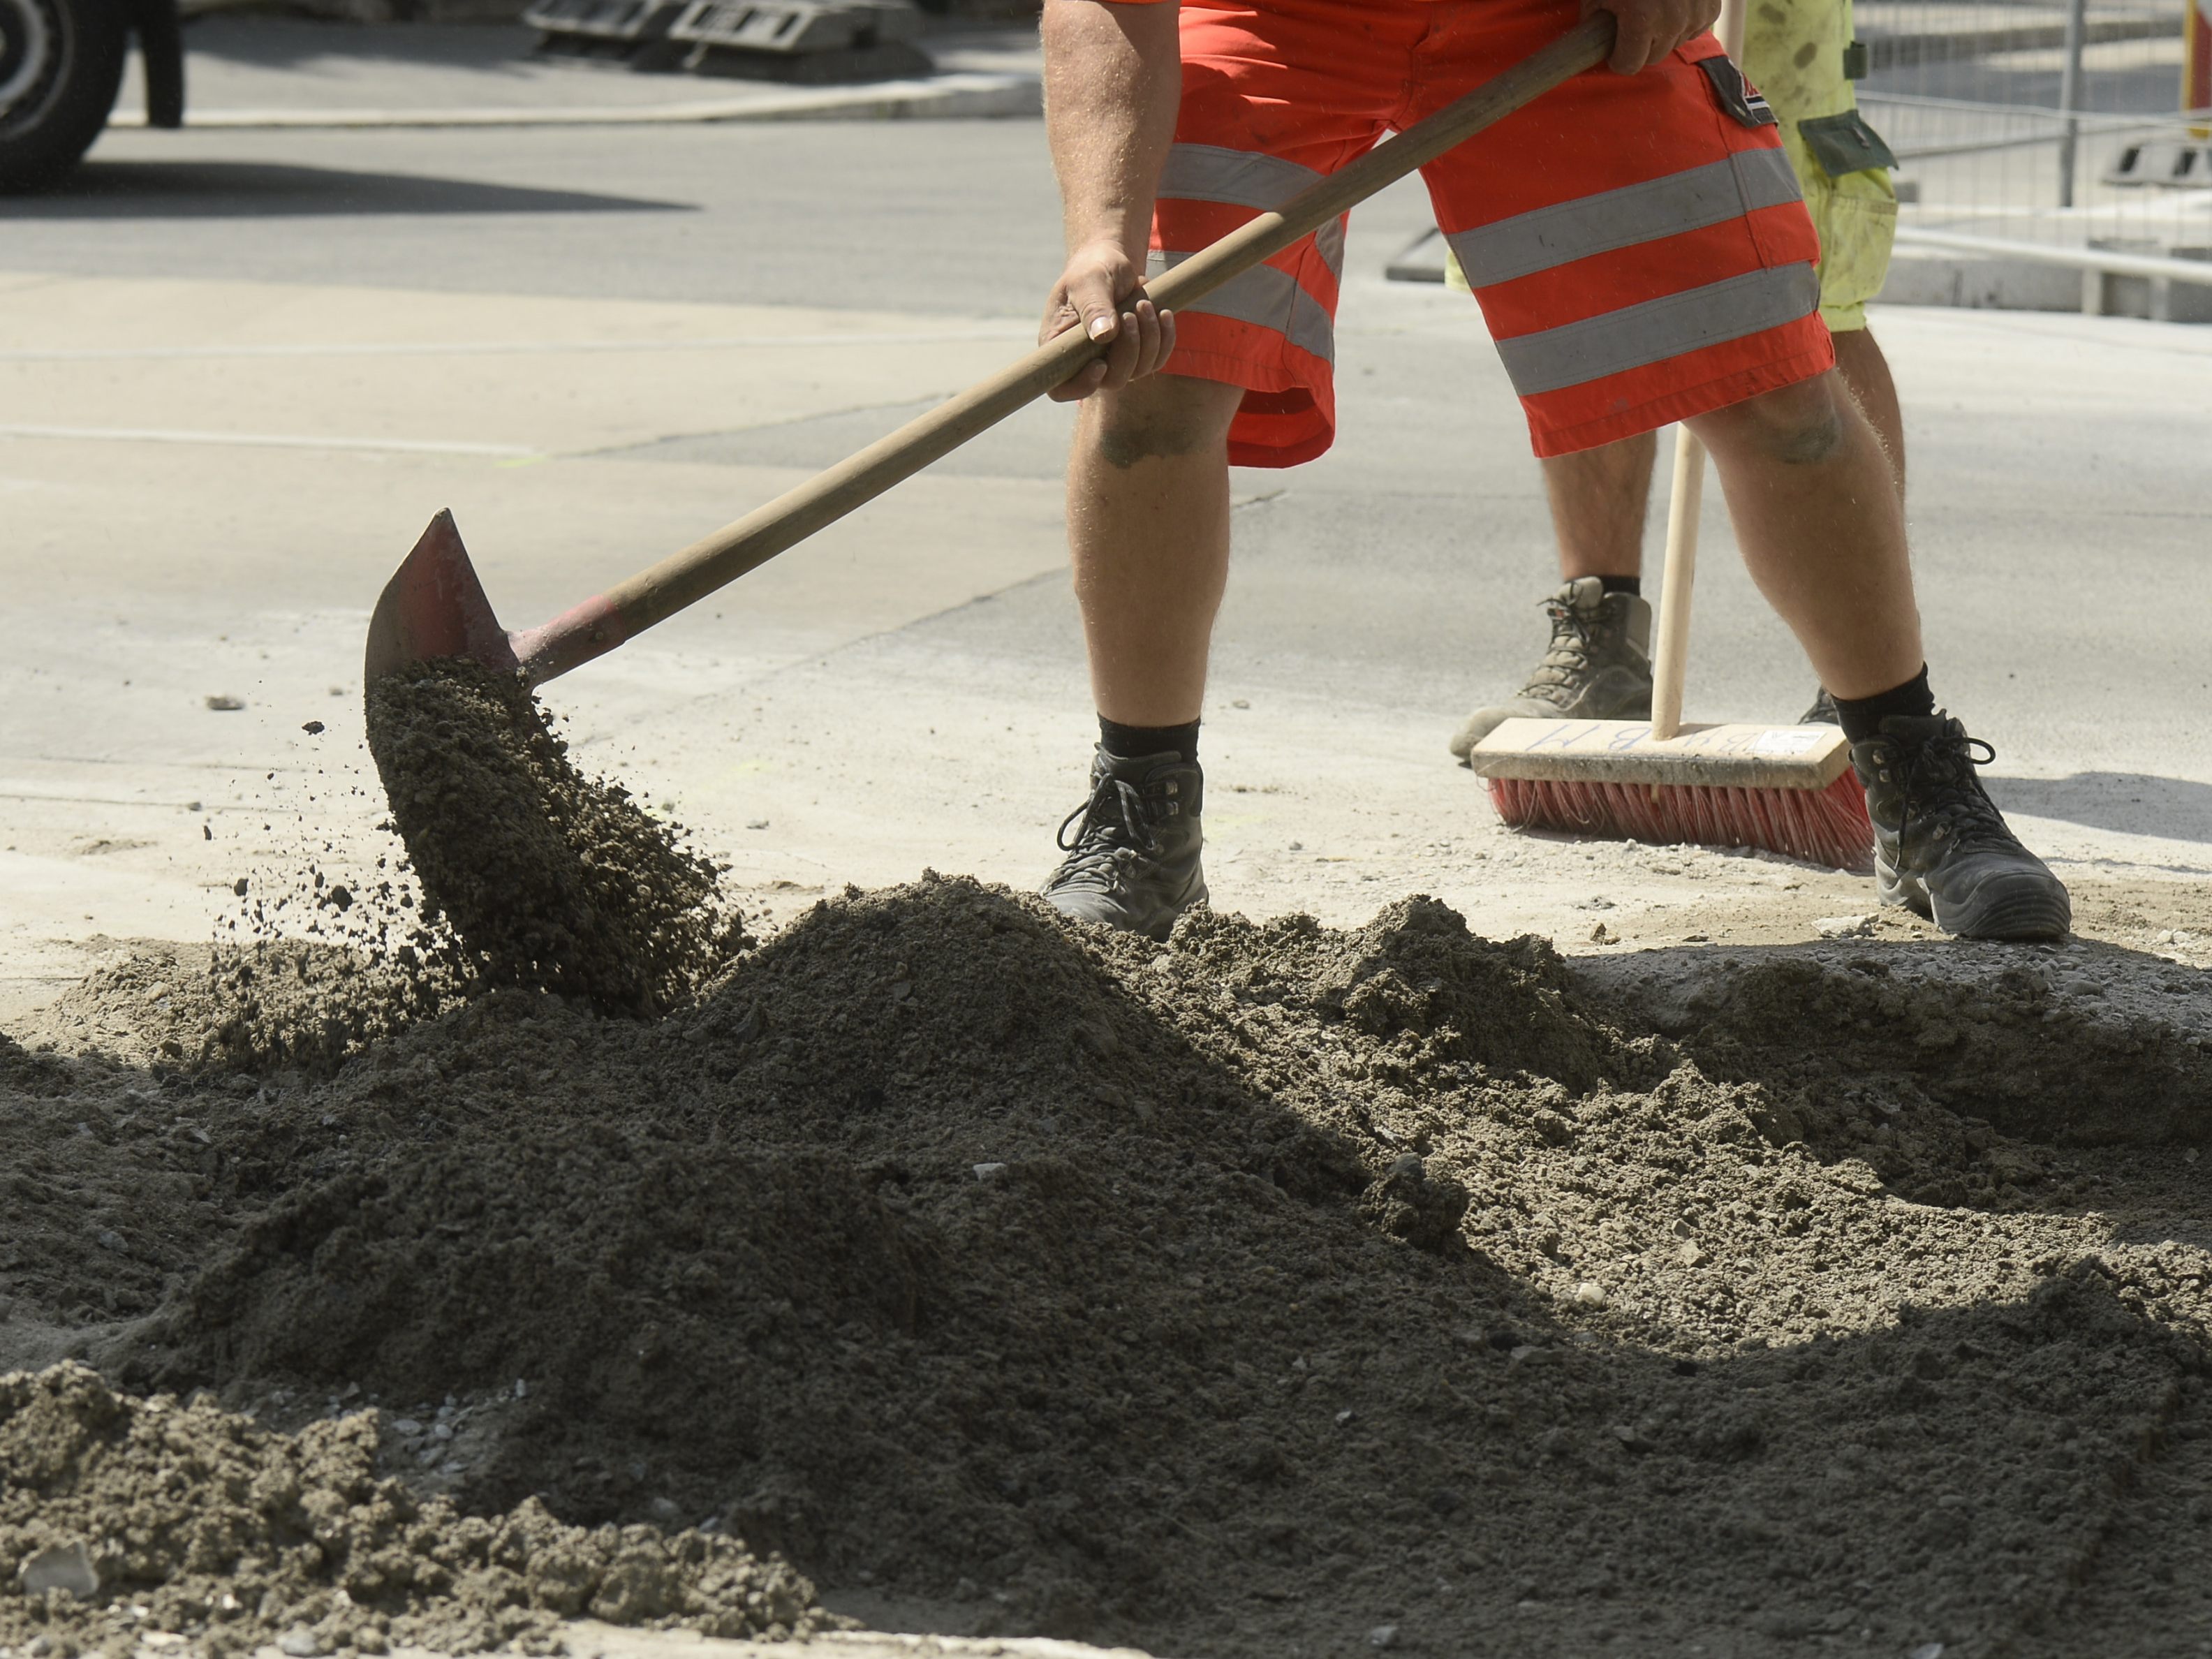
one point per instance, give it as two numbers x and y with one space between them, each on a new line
264 440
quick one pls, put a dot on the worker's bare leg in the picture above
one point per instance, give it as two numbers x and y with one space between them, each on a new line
1148 529
1822 529
1599 499
1148 532
1866 372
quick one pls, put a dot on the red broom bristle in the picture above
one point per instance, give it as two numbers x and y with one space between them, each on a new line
1822 826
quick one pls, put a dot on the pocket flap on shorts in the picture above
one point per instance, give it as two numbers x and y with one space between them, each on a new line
1733 93
1844 144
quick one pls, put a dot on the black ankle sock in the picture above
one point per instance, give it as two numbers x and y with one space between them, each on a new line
1135 741
1622 584
1863 716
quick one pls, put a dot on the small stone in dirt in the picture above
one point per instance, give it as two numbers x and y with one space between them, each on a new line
66 1567
1588 1295
315 728
1844 927
1382 1635
239 887
300 1643
985 1172
1927 1650
225 705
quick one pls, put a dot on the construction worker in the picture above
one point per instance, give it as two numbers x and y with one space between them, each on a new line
1798 53
1642 253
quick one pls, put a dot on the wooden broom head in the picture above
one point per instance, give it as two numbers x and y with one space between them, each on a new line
1625 751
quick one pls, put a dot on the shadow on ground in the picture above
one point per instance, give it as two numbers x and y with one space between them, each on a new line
225 190
2134 802
298 42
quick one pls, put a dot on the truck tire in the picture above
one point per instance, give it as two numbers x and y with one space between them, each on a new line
61 62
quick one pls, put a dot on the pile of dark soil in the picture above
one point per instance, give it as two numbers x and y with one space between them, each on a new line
1277 1291
550 878
136 1517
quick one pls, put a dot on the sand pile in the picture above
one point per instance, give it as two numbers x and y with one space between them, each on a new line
1280 1291
549 878
159 1522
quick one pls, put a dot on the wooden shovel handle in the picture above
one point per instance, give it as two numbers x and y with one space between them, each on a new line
684 578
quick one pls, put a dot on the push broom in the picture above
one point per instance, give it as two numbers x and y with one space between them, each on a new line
1788 788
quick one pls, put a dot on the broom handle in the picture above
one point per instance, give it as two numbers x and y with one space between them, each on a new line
1686 500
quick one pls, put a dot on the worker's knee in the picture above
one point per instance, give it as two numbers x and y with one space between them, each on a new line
1159 417
1802 425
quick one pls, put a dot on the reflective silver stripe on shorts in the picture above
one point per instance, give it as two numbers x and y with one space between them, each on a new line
1634 336
1691 200
1245 178
1266 298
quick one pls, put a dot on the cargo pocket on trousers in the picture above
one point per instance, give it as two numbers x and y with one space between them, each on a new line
1857 229
1844 144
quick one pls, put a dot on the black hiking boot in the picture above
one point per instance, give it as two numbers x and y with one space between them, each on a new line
1599 667
1940 846
1133 861
1822 713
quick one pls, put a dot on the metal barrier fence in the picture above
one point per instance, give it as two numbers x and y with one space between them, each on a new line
2072 131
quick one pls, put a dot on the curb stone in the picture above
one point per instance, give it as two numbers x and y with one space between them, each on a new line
963 96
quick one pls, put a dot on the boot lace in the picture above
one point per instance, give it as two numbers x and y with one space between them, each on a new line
1942 795
1574 635
1111 828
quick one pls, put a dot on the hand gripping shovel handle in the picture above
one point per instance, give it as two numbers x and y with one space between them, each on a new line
599 624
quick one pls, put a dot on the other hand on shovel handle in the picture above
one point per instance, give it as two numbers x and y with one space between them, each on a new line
599 624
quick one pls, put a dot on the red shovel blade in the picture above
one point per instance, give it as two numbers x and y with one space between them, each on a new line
433 606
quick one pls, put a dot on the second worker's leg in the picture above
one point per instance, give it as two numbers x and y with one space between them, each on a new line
1598 500
1866 370
1148 535
1596 666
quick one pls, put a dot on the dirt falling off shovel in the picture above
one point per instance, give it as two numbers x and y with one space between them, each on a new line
552 879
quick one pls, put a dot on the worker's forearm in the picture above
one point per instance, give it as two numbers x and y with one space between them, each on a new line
1113 79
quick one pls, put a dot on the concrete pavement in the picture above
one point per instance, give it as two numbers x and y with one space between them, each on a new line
221 427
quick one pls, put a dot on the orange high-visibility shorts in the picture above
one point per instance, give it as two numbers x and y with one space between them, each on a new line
1638 243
